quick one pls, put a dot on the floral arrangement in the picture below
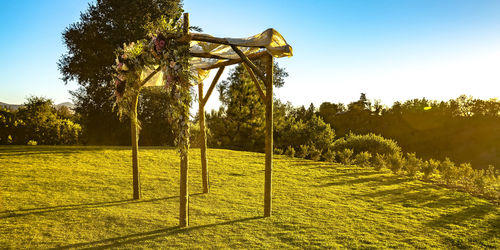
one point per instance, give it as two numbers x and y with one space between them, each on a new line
164 52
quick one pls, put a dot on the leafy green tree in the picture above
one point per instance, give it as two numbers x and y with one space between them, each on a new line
328 111
91 44
8 126
156 128
244 109
38 121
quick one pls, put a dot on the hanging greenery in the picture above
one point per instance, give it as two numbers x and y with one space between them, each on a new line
166 51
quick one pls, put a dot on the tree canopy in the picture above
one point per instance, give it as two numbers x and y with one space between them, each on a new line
91 44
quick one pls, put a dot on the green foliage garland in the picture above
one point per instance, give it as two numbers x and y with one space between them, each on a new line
167 52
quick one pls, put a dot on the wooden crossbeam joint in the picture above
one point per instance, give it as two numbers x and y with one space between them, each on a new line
249 63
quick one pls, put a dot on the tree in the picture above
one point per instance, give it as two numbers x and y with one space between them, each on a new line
328 110
156 128
91 44
38 121
244 109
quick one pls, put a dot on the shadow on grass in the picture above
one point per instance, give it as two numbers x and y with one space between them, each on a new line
138 237
64 150
356 174
377 181
42 210
469 213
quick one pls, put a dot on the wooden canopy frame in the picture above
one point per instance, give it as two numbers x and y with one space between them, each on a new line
266 95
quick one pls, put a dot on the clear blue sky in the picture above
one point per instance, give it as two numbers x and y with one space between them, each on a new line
391 50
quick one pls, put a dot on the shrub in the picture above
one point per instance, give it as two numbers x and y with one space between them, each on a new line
278 151
378 162
448 171
464 174
69 132
492 186
303 151
345 156
413 164
329 156
290 151
367 143
32 143
395 162
490 173
479 181
313 131
363 159
314 153
429 167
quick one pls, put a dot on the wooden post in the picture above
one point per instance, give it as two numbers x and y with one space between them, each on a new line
184 193
269 136
135 148
203 139
183 180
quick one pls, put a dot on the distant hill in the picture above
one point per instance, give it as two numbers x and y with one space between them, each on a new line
10 106
70 105
17 106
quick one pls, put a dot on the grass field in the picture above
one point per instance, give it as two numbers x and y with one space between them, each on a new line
79 197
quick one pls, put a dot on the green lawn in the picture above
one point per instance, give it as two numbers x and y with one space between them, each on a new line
79 197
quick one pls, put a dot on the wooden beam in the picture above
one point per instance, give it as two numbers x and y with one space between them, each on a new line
235 61
203 140
207 55
248 62
185 26
211 39
212 86
269 137
256 82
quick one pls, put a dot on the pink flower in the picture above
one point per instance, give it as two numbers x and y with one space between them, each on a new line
159 42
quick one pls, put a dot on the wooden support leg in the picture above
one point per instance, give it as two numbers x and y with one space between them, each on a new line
184 193
203 140
183 180
269 137
135 148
